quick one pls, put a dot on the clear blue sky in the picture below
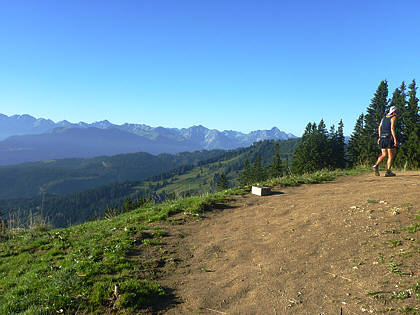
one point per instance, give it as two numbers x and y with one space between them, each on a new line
240 65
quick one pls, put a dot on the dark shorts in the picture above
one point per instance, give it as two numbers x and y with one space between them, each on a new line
386 142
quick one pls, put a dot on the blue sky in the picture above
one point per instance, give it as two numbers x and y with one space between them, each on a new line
240 65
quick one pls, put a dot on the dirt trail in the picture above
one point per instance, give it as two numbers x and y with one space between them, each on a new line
313 249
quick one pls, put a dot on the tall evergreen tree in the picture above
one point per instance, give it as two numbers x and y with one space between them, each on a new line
322 150
409 154
339 147
319 149
257 170
308 131
276 166
222 183
412 113
375 112
399 100
245 175
331 144
355 147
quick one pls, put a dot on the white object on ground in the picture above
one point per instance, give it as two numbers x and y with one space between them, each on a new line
260 191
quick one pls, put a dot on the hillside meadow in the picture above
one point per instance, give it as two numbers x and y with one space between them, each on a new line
91 268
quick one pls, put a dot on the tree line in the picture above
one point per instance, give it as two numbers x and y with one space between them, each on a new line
259 171
320 148
363 148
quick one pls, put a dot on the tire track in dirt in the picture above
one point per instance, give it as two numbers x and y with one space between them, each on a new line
303 250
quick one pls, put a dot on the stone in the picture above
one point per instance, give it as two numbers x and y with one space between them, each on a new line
260 191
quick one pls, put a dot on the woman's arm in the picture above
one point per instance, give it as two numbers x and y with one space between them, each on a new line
393 132
379 130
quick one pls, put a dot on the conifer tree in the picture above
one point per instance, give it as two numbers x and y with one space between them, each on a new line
375 112
308 131
319 149
399 100
257 170
412 113
322 150
356 141
245 175
307 157
222 183
276 167
410 150
332 145
339 149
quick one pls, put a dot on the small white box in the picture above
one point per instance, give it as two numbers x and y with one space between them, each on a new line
260 191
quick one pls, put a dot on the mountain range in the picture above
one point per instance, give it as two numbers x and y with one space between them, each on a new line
25 139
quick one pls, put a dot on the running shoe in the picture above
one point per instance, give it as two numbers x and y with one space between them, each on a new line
389 174
375 169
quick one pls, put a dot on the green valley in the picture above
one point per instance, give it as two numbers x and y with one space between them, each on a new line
197 174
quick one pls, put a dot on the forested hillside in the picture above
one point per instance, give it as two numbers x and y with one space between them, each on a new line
65 176
191 173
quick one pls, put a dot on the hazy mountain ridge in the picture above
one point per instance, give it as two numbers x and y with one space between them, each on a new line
24 138
26 124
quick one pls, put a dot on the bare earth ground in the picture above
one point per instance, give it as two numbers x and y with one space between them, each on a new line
313 249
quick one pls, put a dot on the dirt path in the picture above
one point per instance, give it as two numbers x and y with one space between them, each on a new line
313 249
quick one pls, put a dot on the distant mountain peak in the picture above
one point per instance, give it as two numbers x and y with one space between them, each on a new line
170 139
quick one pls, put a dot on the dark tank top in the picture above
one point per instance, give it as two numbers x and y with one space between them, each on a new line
386 126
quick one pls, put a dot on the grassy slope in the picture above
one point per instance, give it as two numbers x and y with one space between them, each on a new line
69 175
77 268
198 180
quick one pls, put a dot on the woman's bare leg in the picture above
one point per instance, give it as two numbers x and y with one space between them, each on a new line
383 156
391 155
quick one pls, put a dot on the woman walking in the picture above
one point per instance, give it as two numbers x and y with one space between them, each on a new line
387 141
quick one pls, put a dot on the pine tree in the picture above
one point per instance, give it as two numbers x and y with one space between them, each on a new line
399 100
339 149
322 150
308 131
222 183
410 150
319 149
375 112
355 143
257 170
331 147
301 161
245 175
277 166
412 112
307 156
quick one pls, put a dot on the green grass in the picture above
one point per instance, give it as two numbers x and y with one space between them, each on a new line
394 243
414 226
78 268
312 178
